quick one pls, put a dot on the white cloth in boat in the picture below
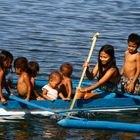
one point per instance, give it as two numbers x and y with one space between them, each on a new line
52 93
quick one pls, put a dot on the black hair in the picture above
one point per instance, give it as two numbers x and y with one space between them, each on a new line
33 68
22 63
66 69
5 55
108 49
133 37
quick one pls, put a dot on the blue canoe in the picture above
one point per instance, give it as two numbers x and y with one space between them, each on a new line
20 107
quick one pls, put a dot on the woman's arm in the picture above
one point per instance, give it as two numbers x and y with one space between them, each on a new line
104 79
91 75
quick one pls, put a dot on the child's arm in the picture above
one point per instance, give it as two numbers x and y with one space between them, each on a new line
44 94
28 83
62 96
3 100
69 84
38 97
122 71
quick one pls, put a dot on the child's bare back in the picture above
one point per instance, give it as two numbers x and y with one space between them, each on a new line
22 86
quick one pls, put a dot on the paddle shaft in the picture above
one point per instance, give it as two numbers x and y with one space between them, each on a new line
85 68
41 107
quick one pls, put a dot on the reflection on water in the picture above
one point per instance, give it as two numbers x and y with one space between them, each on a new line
40 127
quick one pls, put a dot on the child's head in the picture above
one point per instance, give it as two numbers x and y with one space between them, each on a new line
66 69
6 59
106 58
133 42
33 68
55 79
20 64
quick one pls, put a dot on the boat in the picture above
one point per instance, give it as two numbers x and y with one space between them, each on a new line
17 106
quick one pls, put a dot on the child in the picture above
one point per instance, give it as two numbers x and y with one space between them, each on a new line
34 69
50 91
131 68
65 89
6 59
108 76
24 83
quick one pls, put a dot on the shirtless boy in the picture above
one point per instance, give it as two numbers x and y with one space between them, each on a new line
23 84
65 90
131 68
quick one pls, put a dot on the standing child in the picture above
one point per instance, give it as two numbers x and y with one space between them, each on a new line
50 91
131 68
107 73
65 90
6 59
34 69
24 83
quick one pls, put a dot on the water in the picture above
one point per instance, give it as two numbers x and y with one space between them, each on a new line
54 32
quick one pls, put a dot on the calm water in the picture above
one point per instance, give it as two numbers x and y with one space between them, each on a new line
53 32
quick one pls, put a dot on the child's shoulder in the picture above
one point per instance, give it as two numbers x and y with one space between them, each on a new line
67 80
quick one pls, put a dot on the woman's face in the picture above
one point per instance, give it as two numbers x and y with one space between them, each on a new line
104 57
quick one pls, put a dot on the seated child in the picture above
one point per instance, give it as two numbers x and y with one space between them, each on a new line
131 68
50 91
24 83
65 89
33 71
6 59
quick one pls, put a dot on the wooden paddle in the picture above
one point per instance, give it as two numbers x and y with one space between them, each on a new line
41 107
85 68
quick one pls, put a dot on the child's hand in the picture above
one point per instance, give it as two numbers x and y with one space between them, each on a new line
130 87
66 99
27 99
39 98
3 100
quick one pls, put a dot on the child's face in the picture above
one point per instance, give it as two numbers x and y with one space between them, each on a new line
7 63
104 58
132 47
17 70
55 82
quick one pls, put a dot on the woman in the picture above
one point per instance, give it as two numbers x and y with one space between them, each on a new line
107 73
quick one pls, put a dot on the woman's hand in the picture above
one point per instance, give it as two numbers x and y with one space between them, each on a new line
86 64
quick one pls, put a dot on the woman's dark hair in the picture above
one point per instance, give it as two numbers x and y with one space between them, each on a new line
108 49
5 55
133 37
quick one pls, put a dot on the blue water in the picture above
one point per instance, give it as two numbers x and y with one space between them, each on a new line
52 32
